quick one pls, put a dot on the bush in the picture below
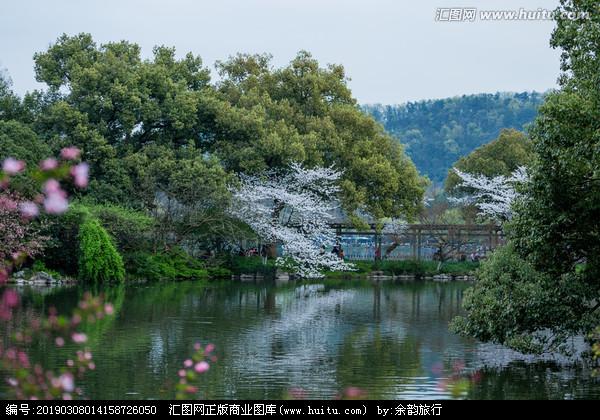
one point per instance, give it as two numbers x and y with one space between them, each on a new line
249 265
99 261
509 304
219 272
417 268
39 266
130 228
63 252
173 265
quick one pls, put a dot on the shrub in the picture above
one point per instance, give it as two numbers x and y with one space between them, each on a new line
249 265
130 228
99 260
509 304
172 265
63 252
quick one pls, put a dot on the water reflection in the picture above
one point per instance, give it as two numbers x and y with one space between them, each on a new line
390 339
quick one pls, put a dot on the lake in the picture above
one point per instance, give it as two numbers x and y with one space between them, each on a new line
311 338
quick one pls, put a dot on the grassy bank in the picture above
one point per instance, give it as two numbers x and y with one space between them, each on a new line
417 268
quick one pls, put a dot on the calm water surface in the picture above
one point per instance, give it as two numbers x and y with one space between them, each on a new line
391 340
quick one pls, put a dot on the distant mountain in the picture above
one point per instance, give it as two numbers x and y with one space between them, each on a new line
436 133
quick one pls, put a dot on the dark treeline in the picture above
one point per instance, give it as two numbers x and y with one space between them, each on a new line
436 133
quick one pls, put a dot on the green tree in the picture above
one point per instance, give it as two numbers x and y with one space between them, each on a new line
187 194
111 103
10 104
19 141
502 156
556 228
305 113
99 260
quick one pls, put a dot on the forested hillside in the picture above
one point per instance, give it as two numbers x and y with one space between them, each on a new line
436 133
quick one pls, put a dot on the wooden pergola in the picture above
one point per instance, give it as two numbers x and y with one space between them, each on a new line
490 234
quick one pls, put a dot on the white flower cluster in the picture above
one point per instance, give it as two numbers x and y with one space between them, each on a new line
493 196
293 209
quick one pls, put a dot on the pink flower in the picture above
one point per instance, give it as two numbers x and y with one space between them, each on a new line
10 298
29 209
6 203
49 164
70 363
181 373
70 153
109 309
197 346
79 338
59 341
201 367
80 173
23 359
56 203
13 166
188 363
191 389
52 186
209 349
354 392
66 382
91 366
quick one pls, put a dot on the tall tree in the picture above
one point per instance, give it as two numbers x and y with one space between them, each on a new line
555 231
293 208
305 113
111 103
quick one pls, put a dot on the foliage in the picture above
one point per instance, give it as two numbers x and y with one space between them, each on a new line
10 104
547 277
425 268
173 265
438 132
293 209
21 142
38 266
305 113
250 265
514 304
494 196
130 228
502 156
185 193
595 339
412 267
99 260
159 137
110 102
62 252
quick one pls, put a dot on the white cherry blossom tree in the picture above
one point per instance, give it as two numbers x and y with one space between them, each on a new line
493 196
293 209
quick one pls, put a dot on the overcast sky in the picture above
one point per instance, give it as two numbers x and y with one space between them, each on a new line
393 50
